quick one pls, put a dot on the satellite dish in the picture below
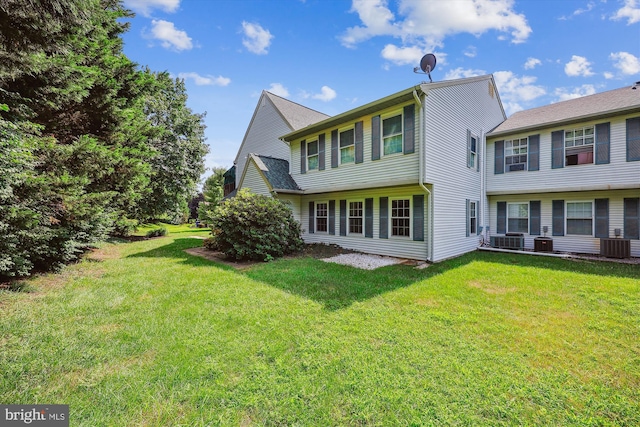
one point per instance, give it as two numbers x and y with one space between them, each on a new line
427 64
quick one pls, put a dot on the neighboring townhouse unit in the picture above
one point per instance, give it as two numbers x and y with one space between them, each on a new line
572 167
273 117
400 176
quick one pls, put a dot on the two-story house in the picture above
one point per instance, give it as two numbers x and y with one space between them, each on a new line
572 168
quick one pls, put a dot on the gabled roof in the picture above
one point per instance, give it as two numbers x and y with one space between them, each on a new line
294 115
297 116
380 104
275 173
591 107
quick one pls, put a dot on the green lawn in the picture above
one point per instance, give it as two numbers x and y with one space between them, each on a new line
144 334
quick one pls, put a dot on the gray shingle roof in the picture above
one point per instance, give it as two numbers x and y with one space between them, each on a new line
277 173
603 104
296 115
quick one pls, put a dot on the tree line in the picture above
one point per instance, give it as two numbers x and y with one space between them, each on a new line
91 144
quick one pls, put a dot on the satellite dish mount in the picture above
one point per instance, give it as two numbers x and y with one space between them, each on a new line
427 64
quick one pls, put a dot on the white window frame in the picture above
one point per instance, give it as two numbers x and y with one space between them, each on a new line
317 216
351 128
473 214
567 219
519 217
387 116
510 150
349 217
582 139
317 155
391 218
473 155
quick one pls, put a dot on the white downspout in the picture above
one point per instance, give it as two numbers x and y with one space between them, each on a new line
483 184
421 152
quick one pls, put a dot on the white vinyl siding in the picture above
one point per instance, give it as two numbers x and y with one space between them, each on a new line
617 174
254 181
570 242
401 247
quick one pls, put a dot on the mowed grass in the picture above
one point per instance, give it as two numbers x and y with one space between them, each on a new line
145 334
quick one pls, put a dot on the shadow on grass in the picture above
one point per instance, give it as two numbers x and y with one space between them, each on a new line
338 286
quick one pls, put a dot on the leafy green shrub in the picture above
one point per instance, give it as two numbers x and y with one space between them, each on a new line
157 232
210 244
256 227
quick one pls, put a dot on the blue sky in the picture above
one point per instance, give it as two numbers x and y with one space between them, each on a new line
334 55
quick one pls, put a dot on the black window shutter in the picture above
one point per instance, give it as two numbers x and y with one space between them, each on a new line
321 150
368 217
557 220
633 139
602 217
557 152
334 148
375 138
469 148
632 218
467 218
603 132
418 217
534 153
534 217
343 217
384 217
332 217
359 135
409 131
501 225
303 156
311 217
498 166
478 217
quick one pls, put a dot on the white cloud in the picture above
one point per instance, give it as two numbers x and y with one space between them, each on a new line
279 89
402 55
460 73
627 63
326 94
531 63
607 75
205 80
256 39
584 90
146 6
578 66
170 36
630 11
577 12
470 51
516 90
428 23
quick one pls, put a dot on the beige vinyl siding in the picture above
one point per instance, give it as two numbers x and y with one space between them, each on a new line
618 174
578 244
262 136
449 112
254 181
401 247
395 169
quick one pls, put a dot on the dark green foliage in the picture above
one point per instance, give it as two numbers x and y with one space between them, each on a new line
157 232
256 227
79 145
212 192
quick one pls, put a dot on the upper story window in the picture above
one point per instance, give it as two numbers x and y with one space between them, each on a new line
312 155
515 154
401 217
473 151
321 217
356 217
347 146
392 134
580 218
518 217
578 146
